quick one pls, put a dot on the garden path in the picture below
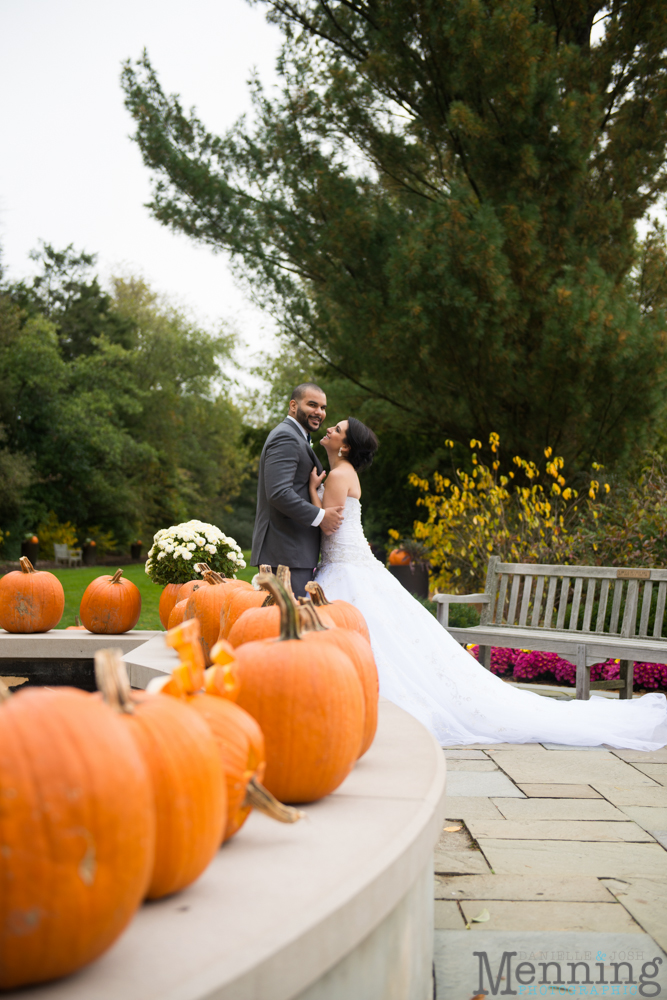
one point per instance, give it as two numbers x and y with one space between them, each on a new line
555 850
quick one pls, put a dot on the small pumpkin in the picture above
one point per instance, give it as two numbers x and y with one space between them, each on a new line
31 600
399 557
77 627
177 613
184 765
360 653
238 736
207 603
77 830
168 599
341 613
308 701
110 605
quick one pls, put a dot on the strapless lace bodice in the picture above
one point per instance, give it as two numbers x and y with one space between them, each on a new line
348 544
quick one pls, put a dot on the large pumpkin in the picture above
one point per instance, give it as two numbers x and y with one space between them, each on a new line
360 653
77 832
342 613
110 605
30 600
308 700
263 620
207 603
239 738
184 764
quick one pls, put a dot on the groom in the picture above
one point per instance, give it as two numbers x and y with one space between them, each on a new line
287 524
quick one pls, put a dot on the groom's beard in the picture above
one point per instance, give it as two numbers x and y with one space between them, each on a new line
303 418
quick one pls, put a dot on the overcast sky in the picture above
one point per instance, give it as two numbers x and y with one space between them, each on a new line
68 170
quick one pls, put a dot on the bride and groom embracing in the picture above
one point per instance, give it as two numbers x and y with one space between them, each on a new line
304 515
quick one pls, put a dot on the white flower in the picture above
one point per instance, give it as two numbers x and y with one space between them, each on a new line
161 555
211 548
187 555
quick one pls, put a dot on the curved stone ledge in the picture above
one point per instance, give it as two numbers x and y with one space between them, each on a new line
340 905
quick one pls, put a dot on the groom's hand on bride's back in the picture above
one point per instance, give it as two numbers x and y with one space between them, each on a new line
332 520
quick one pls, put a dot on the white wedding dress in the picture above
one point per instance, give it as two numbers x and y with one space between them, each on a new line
425 671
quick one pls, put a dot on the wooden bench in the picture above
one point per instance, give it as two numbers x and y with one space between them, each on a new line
586 614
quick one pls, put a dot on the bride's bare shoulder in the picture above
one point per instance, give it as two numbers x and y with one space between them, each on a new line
345 477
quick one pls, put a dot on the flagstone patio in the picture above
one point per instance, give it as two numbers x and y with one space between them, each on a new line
546 848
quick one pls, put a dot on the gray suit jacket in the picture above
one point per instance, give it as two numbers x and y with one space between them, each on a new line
283 534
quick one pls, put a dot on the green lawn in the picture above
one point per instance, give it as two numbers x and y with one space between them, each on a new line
76 580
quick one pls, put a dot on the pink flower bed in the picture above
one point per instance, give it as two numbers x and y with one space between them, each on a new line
527 665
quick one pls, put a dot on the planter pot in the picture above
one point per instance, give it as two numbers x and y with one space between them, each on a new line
89 555
413 577
135 551
31 550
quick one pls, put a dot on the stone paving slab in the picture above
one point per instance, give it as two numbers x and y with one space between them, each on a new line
552 857
508 915
656 771
562 768
574 809
661 837
463 962
645 899
563 746
643 756
550 791
521 887
467 862
465 807
465 754
457 764
490 784
633 795
493 747
553 829
448 916
647 817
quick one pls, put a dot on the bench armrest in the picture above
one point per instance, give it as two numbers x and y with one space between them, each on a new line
444 600
461 598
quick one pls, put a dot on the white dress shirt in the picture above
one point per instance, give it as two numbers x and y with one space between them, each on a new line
318 520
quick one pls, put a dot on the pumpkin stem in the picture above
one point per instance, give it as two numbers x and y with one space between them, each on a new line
202 568
26 565
289 624
309 618
260 798
5 693
116 577
112 680
213 578
316 594
285 578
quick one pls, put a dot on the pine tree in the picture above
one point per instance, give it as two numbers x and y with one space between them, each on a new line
442 203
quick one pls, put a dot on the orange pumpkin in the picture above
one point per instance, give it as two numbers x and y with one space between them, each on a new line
263 622
110 605
77 830
177 613
342 613
168 598
184 764
206 604
360 653
239 739
239 601
399 557
30 600
308 701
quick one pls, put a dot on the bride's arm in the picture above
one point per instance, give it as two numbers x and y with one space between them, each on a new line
336 488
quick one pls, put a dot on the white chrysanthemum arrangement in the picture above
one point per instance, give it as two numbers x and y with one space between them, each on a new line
175 551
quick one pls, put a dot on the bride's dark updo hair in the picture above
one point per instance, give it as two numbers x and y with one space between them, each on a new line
363 444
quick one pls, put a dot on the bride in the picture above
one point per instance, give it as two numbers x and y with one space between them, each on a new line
422 668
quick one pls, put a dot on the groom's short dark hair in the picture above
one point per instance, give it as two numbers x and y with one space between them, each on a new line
302 389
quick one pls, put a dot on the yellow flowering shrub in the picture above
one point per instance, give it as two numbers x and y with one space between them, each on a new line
522 517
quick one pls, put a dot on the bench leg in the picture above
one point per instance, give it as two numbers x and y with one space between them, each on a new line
484 657
627 676
583 675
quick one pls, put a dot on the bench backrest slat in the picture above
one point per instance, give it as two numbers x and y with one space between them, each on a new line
502 592
616 606
576 601
525 601
629 626
562 604
602 606
590 600
537 601
659 611
514 596
551 597
647 597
